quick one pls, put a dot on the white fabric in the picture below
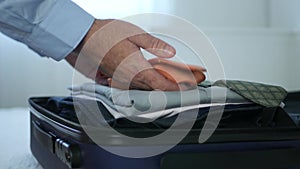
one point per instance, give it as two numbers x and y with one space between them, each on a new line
154 115
155 104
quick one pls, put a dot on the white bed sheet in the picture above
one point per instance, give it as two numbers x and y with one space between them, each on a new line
15 140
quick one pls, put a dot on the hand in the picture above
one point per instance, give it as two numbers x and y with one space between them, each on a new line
111 50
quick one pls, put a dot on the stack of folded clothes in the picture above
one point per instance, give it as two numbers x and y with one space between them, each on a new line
156 104
158 107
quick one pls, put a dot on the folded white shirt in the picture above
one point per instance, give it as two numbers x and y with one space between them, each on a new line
150 105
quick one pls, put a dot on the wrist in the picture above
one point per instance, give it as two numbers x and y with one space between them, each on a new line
79 47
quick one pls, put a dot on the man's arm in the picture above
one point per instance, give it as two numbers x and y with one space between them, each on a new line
52 28
60 29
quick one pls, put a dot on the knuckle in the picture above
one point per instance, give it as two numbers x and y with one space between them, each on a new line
155 43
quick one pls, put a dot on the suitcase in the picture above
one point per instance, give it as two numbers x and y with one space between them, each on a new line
60 143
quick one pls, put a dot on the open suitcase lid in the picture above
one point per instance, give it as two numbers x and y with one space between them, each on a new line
285 129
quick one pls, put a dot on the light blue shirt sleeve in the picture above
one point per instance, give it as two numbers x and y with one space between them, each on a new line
52 28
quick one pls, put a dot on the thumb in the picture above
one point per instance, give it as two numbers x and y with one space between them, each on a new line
153 45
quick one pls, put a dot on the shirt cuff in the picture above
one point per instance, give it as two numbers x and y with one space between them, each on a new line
61 31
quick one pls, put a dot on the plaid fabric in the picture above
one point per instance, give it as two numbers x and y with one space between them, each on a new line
262 94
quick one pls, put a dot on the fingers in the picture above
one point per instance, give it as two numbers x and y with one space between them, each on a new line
100 78
132 71
136 85
147 80
123 61
157 82
153 45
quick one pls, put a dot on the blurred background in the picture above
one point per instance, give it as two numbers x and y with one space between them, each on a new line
257 40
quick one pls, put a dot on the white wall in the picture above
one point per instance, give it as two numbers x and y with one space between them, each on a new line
222 13
294 64
251 39
245 33
257 55
285 13
24 74
117 8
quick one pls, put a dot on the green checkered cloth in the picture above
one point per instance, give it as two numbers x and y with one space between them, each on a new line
262 94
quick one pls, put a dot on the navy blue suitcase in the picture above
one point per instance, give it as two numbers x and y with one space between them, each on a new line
60 143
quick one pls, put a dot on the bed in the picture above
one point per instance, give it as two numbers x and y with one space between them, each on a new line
15 143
